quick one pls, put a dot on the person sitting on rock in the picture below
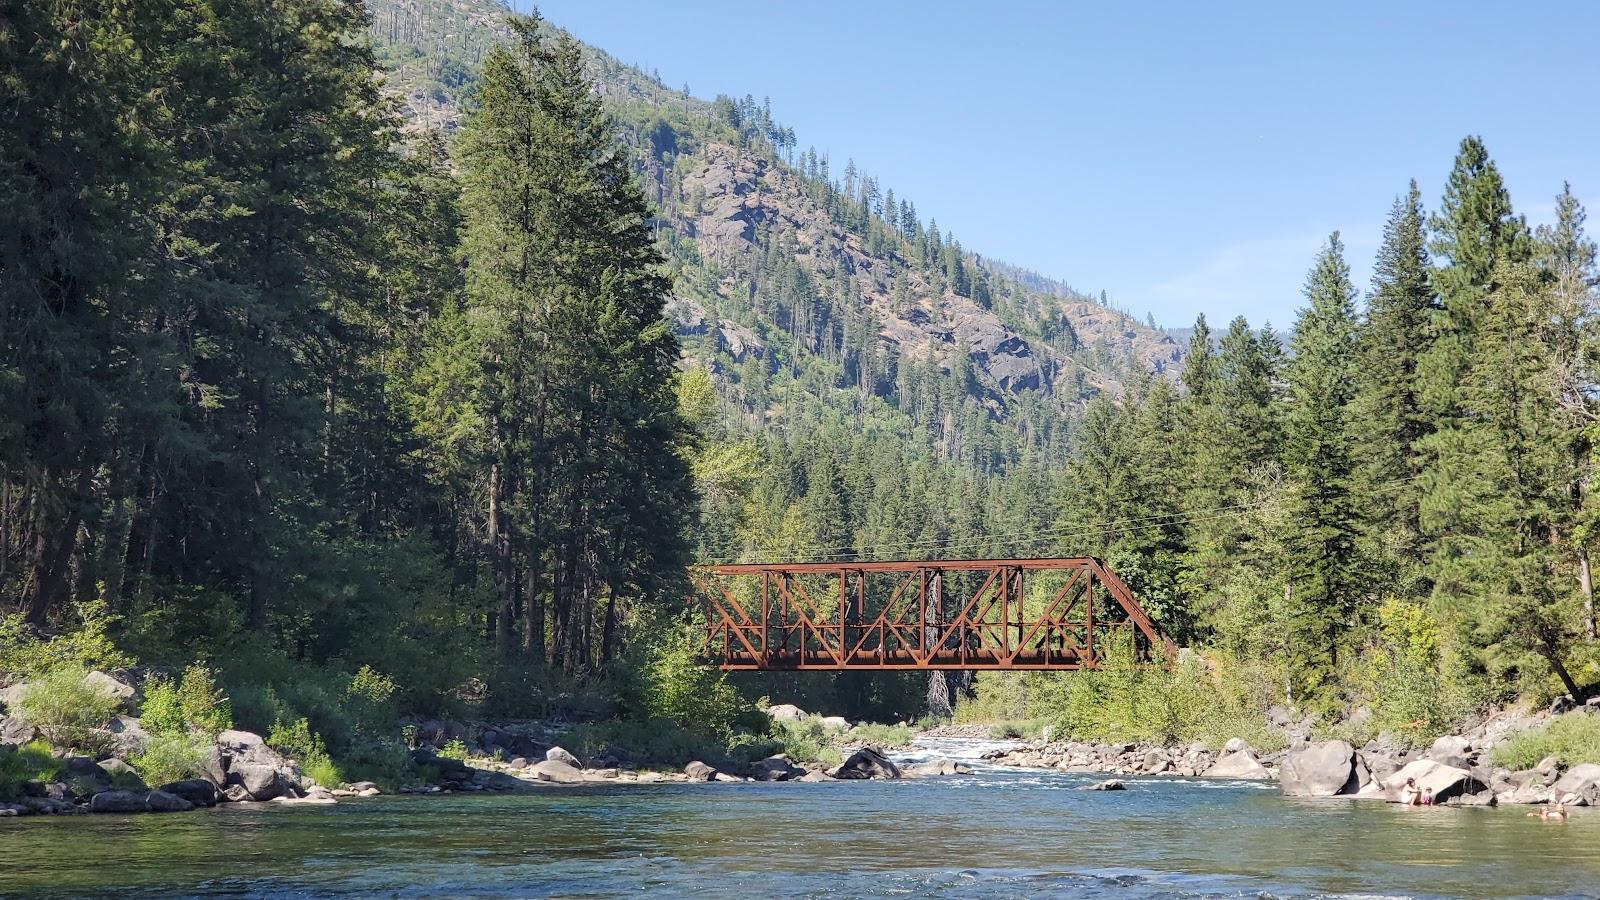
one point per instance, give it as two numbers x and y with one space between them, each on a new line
1409 795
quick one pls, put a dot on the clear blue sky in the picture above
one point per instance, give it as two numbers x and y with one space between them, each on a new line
1182 156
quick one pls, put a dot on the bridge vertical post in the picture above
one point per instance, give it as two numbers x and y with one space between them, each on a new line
766 612
1088 618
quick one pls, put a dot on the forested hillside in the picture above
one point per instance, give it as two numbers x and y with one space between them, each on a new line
307 382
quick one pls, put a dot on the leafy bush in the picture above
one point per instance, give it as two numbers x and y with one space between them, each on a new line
25 651
1416 690
204 707
69 710
454 750
161 712
996 697
29 762
306 748
170 756
677 688
1573 738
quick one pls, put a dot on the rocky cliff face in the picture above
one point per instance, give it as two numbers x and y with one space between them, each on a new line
732 200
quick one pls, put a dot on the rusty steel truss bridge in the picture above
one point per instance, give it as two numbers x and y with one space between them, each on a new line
975 614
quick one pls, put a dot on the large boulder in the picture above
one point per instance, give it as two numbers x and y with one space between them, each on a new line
557 772
15 731
835 722
1452 750
128 737
213 767
1234 745
786 712
260 782
111 687
500 781
1446 782
1322 769
119 802
1582 781
1239 764
775 768
557 754
249 748
165 801
197 791
868 762
939 766
84 777
699 771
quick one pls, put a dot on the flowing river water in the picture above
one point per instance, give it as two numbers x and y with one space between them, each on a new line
996 833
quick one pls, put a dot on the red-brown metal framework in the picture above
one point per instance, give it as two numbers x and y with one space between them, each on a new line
764 616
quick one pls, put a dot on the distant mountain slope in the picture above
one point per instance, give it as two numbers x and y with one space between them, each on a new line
789 271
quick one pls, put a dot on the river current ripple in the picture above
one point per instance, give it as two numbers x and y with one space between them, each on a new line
999 832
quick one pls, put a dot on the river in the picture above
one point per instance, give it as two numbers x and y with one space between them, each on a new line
996 833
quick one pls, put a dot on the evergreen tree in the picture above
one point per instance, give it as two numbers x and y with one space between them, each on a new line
1324 577
1387 412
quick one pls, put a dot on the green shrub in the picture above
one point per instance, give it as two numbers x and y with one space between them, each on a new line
204 707
370 703
454 750
996 697
305 747
161 712
88 646
1573 738
170 756
68 710
29 762
882 736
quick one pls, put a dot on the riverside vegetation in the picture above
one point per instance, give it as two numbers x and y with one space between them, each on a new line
354 423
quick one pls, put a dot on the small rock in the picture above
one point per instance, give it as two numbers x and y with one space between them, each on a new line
368 792
818 775
724 776
518 762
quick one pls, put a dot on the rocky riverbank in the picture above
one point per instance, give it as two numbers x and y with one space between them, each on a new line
444 758
1457 769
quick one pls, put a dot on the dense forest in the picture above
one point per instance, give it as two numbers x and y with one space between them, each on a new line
432 343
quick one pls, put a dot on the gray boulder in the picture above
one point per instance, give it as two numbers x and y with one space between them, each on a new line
1446 782
1155 761
786 712
120 771
817 775
112 687
500 781
15 731
163 801
775 768
1322 769
1583 781
1110 784
260 782
128 736
867 762
699 771
1239 764
48 806
557 754
557 772
1452 750
119 802
836 722
939 766
213 767
197 791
